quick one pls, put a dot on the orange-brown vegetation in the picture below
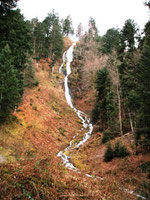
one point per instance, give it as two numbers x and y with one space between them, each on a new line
43 125
124 172
67 43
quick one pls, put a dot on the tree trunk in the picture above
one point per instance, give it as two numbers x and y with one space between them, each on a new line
119 104
131 122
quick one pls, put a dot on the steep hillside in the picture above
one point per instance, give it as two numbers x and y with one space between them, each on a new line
43 125
131 172
86 62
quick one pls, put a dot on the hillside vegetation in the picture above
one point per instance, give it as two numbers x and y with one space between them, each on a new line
109 82
106 83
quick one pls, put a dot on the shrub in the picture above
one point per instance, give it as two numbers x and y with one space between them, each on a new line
123 152
118 151
145 167
109 155
105 137
36 83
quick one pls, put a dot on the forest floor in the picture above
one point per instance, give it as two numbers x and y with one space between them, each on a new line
43 125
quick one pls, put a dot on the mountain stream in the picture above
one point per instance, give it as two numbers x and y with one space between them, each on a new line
67 59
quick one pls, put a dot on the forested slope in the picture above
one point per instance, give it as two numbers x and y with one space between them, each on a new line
110 82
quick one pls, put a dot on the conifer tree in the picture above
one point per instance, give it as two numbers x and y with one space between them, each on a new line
143 125
67 26
56 41
9 84
53 41
104 109
110 41
17 34
15 49
127 70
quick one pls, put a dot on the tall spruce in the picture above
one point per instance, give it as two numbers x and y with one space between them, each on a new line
9 83
127 69
48 37
104 108
110 41
15 32
15 49
67 26
143 124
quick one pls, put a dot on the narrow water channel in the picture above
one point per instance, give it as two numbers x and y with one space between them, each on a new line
67 59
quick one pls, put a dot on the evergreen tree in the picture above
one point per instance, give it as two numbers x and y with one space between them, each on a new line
56 41
53 41
67 26
16 38
47 37
130 98
104 109
110 41
9 84
108 155
127 70
93 30
17 34
128 37
143 125
38 39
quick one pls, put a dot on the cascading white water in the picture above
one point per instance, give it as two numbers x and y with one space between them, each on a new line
68 57
64 58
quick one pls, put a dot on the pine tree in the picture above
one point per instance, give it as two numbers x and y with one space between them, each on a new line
104 109
143 125
15 49
127 71
9 84
53 40
17 34
128 36
67 26
56 41
110 41
38 38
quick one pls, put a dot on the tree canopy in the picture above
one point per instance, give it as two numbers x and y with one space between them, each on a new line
67 26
